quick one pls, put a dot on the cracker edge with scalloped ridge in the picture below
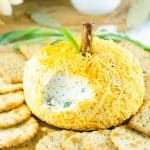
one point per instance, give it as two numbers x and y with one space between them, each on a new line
53 140
11 100
125 138
141 121
22 132
98 139
14 116
8 87
12 66
31 144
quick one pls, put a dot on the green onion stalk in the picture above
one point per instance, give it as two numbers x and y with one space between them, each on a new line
40 35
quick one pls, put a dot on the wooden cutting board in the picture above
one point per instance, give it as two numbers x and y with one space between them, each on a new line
62 11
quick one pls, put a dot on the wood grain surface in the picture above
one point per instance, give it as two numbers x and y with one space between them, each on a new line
62 11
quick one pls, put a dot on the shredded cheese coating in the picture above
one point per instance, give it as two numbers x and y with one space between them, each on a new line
113 73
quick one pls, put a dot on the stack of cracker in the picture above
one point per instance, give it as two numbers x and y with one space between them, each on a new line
16 124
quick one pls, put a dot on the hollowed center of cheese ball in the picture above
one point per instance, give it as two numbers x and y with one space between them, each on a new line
64 92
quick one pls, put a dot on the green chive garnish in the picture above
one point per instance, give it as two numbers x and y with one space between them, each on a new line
70 38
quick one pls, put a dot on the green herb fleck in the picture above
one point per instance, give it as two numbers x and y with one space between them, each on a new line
49 103
66 104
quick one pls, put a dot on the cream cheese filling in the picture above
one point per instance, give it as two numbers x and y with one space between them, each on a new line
64 92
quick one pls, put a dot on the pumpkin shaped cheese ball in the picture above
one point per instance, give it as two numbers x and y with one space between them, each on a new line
99 87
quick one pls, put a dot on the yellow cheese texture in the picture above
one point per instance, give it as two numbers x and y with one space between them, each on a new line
113 74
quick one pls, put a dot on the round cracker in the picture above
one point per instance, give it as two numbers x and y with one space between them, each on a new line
11 100
31 144
141 120
15 116
18 134
8 87
53 140
125 138
12 66
98 140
